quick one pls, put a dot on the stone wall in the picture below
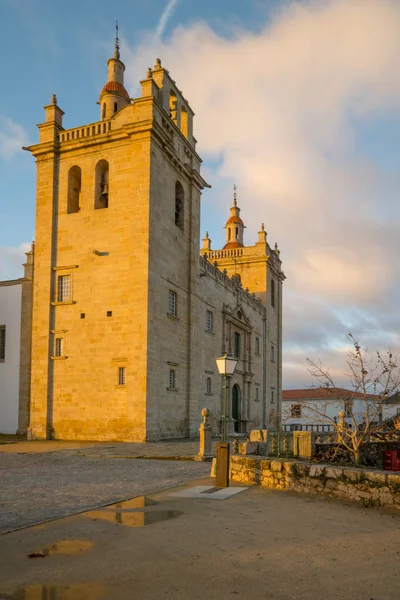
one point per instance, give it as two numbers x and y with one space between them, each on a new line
369 488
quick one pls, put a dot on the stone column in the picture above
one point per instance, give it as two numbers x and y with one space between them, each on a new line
205 452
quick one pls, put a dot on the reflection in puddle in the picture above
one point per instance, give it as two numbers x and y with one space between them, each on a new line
83 591
134 519
140 502
63 547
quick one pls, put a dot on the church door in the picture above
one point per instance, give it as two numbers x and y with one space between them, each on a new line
235 406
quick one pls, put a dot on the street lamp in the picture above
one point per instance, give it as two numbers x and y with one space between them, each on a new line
226 367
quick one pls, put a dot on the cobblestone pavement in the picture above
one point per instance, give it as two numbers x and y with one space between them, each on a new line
40 486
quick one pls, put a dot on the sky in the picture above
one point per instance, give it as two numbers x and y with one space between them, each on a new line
297 103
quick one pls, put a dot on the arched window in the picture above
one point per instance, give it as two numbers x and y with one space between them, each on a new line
101 185
74 189
229 234
173 106
115 107
179 205
104 110
237 232
184 122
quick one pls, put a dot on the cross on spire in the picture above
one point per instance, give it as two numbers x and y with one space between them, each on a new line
234 194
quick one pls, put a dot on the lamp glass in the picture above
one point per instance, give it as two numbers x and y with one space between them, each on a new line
226 365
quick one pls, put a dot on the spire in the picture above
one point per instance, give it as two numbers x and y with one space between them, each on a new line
114 96
116 51
234 225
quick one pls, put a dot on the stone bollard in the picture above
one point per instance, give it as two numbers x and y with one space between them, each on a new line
205 452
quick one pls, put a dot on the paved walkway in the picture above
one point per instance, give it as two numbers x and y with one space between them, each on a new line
257 545
167 449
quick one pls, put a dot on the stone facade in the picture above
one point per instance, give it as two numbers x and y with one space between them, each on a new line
369 488
123 344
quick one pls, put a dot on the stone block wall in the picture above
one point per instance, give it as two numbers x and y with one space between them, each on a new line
369 488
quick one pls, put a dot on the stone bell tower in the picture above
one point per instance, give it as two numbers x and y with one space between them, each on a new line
117 232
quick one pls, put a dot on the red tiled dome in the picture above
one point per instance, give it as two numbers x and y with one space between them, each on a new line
114 86
234 220
233 245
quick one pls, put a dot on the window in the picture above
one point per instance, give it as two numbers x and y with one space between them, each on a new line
272 353
348 409
101 185
209 321
83 315
272 396
236 351
121 375
2 343
59 347
104 114
109 313
172 310
184 122
257 345
74 189
237 232
295 411
64 288
172 379
179 205
209 386
273 292
173 102
229 234
257 392
115 107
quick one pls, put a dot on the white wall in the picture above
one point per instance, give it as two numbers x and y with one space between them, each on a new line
331 409
10 316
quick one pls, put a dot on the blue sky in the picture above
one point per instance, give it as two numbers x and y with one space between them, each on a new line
298 103
62 47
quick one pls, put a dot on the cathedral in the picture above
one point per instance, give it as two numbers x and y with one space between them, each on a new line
130 309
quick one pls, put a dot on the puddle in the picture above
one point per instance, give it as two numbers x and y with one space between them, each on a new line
134 519
83 591
63 547
140 502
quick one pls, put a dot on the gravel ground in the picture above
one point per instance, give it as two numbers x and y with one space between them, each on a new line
39 487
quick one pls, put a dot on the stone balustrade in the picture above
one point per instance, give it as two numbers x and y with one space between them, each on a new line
84 132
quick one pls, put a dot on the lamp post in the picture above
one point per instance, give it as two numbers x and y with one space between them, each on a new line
226 367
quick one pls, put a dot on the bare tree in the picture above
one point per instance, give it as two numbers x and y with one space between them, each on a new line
373 379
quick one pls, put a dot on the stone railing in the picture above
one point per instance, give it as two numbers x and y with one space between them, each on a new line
229 253
230 283
369 488
91 130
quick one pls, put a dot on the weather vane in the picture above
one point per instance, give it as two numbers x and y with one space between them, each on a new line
234 193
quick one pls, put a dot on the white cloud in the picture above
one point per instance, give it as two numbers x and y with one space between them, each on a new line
11 260
165 17
12 138
284 108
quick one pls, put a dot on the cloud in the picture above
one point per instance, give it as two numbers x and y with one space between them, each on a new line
165 18
284 112
12 138
11 260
